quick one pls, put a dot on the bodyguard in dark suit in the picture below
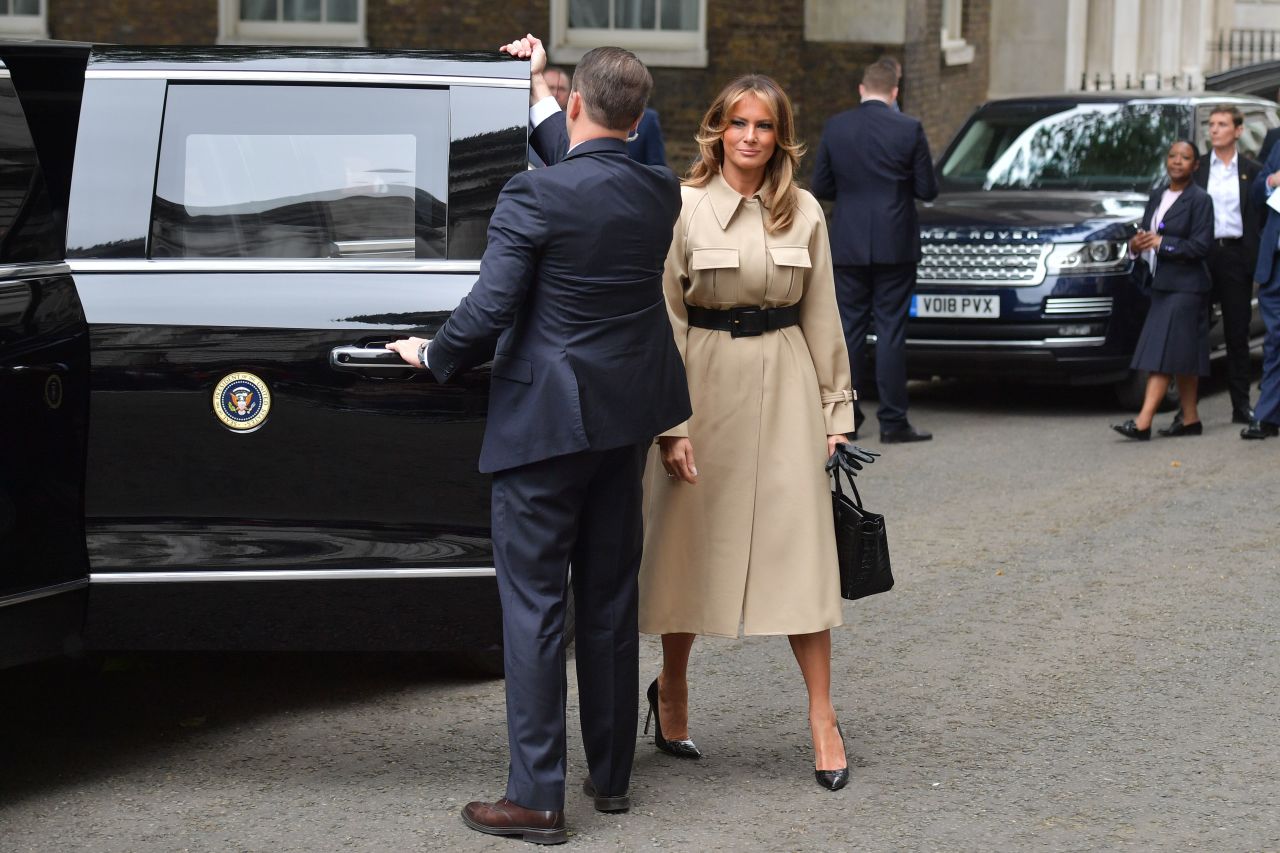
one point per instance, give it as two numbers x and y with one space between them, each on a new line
585 374
1266 414
1228 175
648 146
1173 243
874 162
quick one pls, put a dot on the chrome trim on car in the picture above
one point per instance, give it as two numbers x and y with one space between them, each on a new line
1038 342
27 270
1059 306
241 75
287 575
43 592
269 265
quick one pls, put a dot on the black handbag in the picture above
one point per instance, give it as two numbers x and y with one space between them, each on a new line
862 544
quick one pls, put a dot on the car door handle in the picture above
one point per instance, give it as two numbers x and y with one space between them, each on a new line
372 358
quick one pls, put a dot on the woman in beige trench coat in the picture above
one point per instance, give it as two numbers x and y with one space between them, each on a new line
744 535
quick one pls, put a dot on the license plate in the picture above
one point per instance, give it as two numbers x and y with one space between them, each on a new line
923 305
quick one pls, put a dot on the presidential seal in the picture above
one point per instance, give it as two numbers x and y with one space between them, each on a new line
241 401
53 391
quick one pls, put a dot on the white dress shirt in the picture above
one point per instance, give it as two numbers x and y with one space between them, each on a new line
1224 188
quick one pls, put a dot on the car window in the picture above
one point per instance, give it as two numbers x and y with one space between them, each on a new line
26 213
1088 146
302 172
1255 129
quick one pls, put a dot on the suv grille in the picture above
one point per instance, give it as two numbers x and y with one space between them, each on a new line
1058 306
982 263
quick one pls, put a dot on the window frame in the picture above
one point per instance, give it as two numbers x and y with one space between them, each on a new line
233 30
955 50
36 25
658 48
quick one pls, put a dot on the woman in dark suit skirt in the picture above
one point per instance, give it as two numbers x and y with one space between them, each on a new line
1174 239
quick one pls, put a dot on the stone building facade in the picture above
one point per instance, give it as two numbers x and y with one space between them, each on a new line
814 48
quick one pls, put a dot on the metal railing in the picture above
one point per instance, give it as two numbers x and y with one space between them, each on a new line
1233 48
1113 82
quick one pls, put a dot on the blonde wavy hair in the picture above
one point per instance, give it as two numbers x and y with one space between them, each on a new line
779 189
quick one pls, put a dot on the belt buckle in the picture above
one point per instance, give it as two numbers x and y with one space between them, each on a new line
747 322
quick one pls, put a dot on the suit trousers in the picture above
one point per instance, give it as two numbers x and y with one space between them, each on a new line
1231 268
582 509
1268 408
878 296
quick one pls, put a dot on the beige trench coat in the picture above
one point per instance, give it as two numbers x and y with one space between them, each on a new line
752 542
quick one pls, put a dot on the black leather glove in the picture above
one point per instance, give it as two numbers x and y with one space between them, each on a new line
850 458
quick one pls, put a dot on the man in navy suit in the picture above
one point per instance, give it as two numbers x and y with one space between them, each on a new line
874 162
585 374
648 146
1266 414
1228 175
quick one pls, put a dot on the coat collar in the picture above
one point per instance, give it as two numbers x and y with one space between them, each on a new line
601 144
725 200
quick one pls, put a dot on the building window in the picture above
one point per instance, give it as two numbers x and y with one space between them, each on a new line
955 50
292 22
23 17
669 33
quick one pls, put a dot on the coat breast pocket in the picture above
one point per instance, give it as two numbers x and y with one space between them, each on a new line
790 266
714 275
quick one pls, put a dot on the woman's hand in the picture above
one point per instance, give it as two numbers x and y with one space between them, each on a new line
832 441
677 458
1142 241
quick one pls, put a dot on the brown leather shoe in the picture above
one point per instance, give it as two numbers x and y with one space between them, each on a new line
507 818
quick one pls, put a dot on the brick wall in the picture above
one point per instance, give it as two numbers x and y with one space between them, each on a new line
743 36
939 95
134 21
453 24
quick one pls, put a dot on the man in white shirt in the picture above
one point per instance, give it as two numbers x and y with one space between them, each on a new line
1227 175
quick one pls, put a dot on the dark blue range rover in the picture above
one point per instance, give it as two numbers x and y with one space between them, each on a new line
1026 273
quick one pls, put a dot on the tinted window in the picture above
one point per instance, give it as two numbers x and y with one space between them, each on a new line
1063 146
302 172
26 213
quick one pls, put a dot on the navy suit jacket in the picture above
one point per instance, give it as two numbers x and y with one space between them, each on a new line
570 294
1270 238
1186 233
648 147
1251 213
874 162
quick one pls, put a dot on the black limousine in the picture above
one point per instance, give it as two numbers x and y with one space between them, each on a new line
203 442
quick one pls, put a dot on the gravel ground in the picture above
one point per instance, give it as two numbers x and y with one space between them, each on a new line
1080 654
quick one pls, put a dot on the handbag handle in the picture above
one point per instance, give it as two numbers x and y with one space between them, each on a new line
848 460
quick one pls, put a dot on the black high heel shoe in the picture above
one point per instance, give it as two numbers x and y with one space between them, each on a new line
834 780
679 748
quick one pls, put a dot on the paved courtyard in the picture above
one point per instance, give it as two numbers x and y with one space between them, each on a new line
1080 654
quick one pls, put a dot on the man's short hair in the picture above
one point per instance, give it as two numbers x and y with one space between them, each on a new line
614 85
1237 117
892 60
881 77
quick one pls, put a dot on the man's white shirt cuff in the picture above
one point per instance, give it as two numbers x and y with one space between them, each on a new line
543 110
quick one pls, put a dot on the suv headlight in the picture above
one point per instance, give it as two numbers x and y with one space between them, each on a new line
1094 256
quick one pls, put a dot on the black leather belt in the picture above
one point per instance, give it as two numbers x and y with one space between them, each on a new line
1228 241
743 322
